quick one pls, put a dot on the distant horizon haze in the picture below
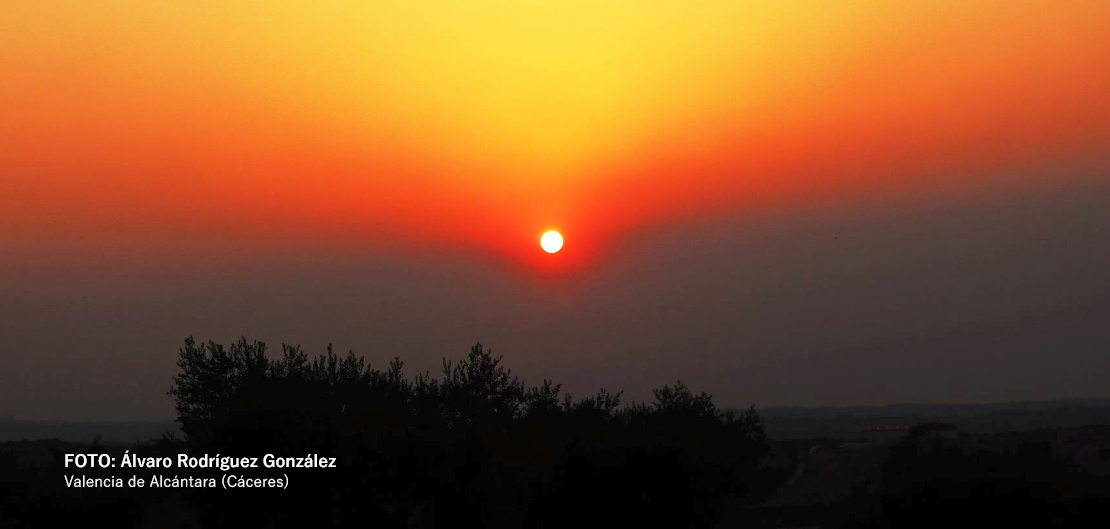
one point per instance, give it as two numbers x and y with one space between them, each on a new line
778 203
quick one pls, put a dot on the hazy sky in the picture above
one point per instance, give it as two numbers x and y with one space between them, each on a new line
785 202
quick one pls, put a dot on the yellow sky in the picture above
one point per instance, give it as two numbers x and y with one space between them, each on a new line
574 113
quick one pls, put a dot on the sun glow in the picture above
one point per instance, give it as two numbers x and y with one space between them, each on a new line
551 241
391 123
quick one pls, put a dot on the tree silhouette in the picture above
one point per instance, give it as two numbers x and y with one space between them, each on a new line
476 446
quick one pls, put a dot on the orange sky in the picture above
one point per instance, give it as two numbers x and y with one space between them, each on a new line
477 125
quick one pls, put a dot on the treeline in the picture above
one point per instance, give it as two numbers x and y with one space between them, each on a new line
472 447
932 483
476 447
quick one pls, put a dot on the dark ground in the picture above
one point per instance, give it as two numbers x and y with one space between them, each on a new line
1045 463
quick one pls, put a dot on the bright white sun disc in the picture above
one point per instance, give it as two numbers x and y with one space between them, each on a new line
551 241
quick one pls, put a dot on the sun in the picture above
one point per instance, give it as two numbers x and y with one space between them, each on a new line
551 241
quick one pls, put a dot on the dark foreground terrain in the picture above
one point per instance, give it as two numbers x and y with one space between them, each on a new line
1049 477
475 447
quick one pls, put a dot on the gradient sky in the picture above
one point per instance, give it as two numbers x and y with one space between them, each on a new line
780 202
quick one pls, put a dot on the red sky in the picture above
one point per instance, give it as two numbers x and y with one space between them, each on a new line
475 126
780 202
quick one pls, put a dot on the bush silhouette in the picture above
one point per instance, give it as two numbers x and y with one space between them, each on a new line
933 483
475 446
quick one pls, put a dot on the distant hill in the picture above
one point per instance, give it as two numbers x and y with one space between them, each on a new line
950 410
849 422
780 422
110 432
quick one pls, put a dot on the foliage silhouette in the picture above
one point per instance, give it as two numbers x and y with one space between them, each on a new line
930 482
474 446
